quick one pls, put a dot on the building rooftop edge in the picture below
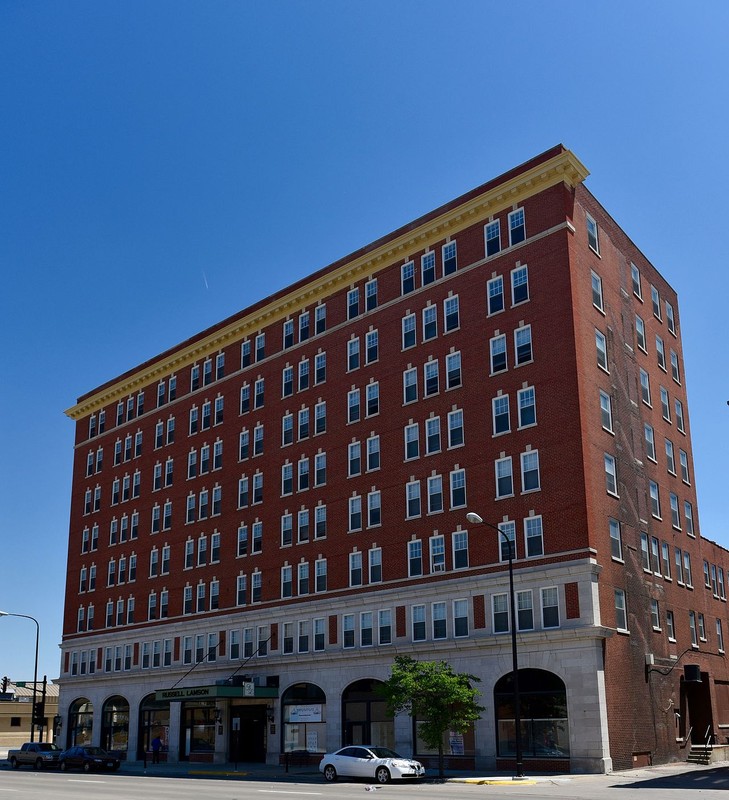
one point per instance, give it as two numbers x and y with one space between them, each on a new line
553 166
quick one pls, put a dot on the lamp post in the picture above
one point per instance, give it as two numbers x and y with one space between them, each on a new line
476 519
35 667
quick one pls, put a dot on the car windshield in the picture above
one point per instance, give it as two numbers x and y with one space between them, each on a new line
384 752
48 746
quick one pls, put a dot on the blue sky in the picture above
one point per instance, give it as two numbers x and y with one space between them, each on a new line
165 164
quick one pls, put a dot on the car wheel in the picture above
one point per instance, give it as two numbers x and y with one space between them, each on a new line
330 774
382 775
39 763
14 763
87 766
64 766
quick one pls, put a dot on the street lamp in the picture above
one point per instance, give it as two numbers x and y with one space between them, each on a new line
476 519
35 668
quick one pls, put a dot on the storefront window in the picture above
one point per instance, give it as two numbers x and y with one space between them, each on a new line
115 724
198 729
80 722
543 707
454 744
366 720
154 721
304 718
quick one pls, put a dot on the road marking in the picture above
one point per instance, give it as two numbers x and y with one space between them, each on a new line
81 780
282 791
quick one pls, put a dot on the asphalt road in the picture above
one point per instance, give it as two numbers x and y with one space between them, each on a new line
657 783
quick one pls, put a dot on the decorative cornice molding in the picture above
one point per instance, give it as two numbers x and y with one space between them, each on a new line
564 167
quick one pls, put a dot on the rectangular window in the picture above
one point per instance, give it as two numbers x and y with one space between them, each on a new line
621 612
365 629
688 516
407 276
303 326
374 509
670 627
523 345
373 453
519 285
517 227
435 494
460 549
524 610
453 370
373 399
611 477
530 481
693 629
375 565
597 300
427 268
533 536
656 302
504 478
616 541
601 346
655 499
497 349
495 295
432 435
371 295
418 623
288 333
353 406
550 607
438 611
449 258
493 238
660 353
640 333
348 630
355 513
455 428
320 319
593 236
355 569
606 411
500 613
320 522
432 383
408 331
353 354
527 407
437 554
353 303
320 575
460 618
650 444
458 488
655 616
415 558
670 320
675 372
451 314
430 322
260 346
371 347
320 368
635 279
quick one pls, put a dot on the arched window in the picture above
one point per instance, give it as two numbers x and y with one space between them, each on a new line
304 718
364 716
115 724
154 720
543 706
80 722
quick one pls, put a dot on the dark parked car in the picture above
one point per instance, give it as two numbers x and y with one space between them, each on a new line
87 759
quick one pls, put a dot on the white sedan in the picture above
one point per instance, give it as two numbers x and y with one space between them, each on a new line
365 761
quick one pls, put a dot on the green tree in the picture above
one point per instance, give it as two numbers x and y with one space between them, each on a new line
437 697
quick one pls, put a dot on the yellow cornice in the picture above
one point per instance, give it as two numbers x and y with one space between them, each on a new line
565 167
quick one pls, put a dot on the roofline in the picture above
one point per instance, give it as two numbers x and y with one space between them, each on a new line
554 166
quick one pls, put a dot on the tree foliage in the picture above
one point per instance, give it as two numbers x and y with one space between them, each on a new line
430 691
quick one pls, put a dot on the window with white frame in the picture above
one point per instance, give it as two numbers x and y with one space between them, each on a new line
550 607
458 488
495 295
408 331
449 256
601 347
412 441
415 558
593 235
460 549
533 537
430 322
616 540
656 302
523 345
670 319
427 268
418 623
530 481
410 385
492 234
497 349
453 370
621 611
655 499
635 279
432 382
606 411
524 610
437 554
650 445
407 277
500 613
435 494
500 414
374 558
451 314
611 477
597 299
517 227
504 477
455 428
526 402
519 284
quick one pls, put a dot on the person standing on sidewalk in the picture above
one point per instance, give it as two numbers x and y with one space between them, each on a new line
156 747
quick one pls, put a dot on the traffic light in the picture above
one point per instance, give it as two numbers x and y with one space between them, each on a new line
40 714
5 684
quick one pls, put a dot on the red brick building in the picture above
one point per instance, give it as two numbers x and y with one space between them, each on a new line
263 516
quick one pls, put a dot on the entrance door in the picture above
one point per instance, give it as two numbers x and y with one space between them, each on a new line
248 733
697 700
